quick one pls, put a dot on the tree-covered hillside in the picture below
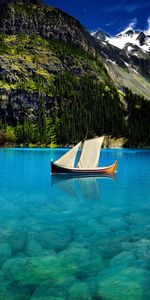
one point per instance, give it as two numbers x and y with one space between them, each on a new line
54 88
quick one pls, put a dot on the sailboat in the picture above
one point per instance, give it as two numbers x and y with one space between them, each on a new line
88 160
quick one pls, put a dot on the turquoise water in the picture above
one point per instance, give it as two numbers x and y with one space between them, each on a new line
65 238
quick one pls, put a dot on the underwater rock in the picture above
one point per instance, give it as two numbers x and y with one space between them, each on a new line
5 252
12 233
139 218
121 235
92 285
50 290
13 268
137 232
8 292
88 230
141 248
123 259
47 297
4 292
109 247
146 231
123 283
101 232
19 255
34 249
79 290
33 271
127 246
87 262
115 224
20 293
2 276
55 238
104 242
143 264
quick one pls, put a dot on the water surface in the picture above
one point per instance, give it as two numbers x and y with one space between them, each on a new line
67 238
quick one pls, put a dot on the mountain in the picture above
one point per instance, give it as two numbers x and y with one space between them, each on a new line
134 39
55 85
127 56
131 40
100 35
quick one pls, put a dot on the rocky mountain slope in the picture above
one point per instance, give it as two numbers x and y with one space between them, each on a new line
54 86
127 56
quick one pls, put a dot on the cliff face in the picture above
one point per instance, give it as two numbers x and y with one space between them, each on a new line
53 80
127 57
33 17
37 42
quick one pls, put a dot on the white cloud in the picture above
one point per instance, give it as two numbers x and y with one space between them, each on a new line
130 26
126 7
147 31
133 23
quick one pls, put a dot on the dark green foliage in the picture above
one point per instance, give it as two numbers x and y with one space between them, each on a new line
74 100
138 124
82 107
3 47
87 108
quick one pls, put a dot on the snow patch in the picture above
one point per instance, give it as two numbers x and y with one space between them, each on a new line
122 40
129 48
111 61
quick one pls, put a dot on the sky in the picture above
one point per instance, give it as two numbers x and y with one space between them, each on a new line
111 16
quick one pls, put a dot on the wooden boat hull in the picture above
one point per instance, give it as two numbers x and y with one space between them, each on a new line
102 170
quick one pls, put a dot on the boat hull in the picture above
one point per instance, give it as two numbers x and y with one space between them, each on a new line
102 170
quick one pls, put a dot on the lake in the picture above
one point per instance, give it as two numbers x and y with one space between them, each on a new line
67 238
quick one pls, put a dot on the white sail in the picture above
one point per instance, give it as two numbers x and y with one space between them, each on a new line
68 159
90 154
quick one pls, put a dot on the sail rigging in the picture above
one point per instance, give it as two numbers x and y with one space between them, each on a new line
90 154
68 159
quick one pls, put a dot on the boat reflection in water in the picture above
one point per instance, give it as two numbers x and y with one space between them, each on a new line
85 185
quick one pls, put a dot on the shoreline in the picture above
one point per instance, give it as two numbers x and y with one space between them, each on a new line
69 146
109 143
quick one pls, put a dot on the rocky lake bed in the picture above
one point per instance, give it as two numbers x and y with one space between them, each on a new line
78 238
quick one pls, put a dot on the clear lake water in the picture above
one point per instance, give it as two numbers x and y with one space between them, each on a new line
74 238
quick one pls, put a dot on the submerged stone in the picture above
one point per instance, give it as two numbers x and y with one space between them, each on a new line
124 283
109 247
92 285
79 290
87 262
5 252
33 271
115 224
123 259
141 248
8 292
14 234
19 255
20 293
4 292
34 249
50 290
2 276
55 238
127 246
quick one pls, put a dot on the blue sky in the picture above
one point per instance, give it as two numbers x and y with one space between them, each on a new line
111 16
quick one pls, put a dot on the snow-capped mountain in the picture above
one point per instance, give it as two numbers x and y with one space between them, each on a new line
127 38
127 58
100 35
